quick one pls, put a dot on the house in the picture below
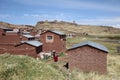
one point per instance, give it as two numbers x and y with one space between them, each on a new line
11 32
26 37
88 56
53 40
8 42
8 39
3 30
15 41
30 48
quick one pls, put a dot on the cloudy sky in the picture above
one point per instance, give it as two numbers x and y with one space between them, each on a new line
90 12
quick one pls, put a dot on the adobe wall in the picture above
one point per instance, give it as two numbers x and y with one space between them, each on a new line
23 49
1 31
58 44
8 39
88 59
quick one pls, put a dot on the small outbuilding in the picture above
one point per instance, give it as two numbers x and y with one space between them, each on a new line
88 57
30 48
53 40
27 37
3 30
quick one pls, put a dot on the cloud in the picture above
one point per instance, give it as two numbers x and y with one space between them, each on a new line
72 4
34 18
101 21
38 17
113 21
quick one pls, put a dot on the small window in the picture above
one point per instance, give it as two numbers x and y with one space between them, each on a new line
49 38
31 38
3 34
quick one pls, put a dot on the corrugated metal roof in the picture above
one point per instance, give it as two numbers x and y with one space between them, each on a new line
57 32
12 31
2 27
90 43
34 43
28 36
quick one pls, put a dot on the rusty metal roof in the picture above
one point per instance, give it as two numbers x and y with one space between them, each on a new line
90 43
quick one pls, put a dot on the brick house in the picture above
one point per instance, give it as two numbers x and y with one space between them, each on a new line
88 56
26 37
30 48
3 30
8 41
12 33
53 40
10 38
18 43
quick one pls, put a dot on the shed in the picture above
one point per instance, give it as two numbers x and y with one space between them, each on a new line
3 30
12 32
88 56
27 37
10 39
31 48
53 40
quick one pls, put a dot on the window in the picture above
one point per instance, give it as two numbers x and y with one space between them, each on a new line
3 34
31 38
49 38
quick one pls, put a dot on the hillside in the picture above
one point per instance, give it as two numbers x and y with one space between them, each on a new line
18 67
76 28
68 27
8 25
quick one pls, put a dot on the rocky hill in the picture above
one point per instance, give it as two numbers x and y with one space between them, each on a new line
8 25
76 28
68 27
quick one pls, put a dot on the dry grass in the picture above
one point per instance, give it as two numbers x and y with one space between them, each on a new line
113 71
75 28
112 61
26 68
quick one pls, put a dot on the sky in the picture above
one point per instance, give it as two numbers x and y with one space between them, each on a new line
86 12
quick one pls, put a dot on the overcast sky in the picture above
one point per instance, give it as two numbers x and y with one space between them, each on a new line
90 12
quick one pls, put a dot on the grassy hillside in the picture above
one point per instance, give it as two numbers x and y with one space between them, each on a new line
76 28
26 68
14 67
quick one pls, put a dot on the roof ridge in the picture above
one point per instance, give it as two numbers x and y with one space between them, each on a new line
90 43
